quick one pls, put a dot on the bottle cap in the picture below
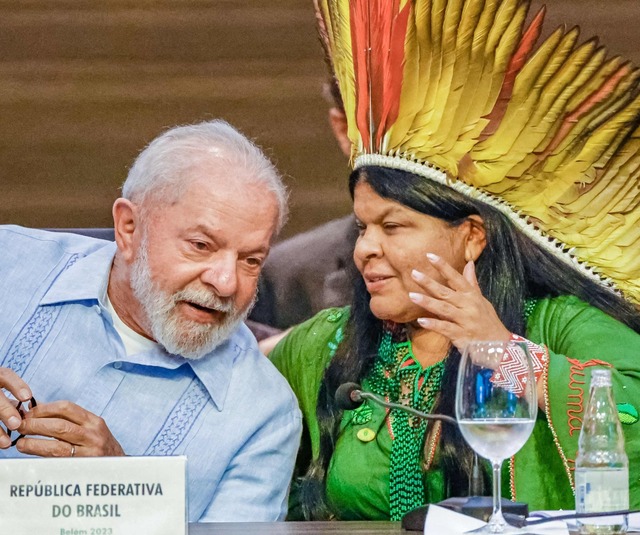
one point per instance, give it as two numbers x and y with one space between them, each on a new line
601 377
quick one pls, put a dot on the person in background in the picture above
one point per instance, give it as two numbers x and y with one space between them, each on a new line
312 270
138 347
495 188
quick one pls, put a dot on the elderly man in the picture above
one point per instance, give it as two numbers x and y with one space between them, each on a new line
139 347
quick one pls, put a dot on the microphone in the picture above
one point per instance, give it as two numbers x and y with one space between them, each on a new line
350 396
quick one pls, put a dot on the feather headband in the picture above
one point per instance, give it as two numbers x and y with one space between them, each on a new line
458 92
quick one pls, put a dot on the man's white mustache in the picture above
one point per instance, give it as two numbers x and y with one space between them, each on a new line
204 299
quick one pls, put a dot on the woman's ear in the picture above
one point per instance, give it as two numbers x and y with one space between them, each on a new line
476 239
125 220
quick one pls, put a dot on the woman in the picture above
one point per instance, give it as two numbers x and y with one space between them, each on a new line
487 281
496 193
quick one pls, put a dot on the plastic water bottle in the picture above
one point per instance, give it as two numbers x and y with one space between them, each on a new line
602 465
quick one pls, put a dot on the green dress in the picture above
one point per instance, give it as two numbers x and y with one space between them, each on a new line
578 337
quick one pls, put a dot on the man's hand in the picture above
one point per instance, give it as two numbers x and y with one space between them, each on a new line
77 432
9 415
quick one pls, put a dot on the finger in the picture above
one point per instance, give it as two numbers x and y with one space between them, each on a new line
65 410
451 276
46 448
469 274
439 309
71 423
10 381
432 286
57 428
443 327
9 415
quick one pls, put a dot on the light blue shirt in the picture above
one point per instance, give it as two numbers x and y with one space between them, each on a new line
231 413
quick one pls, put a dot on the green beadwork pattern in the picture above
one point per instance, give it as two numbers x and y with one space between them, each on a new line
628 413
362 415
398 376
529 307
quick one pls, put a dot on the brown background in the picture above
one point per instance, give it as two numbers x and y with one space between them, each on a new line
85 84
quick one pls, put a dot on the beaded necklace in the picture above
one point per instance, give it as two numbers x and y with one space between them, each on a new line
400 378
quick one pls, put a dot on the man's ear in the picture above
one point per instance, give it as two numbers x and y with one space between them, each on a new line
476 239
125 221
338 121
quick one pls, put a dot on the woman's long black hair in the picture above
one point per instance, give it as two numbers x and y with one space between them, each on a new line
511 269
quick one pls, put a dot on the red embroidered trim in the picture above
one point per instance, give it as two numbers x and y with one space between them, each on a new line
574 415
512 372
434 439
388 417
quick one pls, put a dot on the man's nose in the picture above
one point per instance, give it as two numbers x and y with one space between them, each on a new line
222 276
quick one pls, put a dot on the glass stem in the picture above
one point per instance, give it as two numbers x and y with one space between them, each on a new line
497 521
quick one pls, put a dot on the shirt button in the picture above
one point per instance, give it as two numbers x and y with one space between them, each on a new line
117 365
366 435
98 309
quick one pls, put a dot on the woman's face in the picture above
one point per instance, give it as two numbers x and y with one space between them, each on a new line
394 240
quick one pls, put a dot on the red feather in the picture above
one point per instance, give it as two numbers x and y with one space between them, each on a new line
586 106
378 32
393 73
359 49
527 42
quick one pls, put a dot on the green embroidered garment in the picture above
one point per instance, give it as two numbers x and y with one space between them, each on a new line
577 336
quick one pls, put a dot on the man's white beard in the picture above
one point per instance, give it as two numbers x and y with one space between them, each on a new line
180 336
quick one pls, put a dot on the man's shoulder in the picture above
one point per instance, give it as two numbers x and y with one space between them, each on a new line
38 243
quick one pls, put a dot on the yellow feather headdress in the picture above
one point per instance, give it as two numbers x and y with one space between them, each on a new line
457 91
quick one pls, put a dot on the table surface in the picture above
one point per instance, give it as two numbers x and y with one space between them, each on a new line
302 528
295 528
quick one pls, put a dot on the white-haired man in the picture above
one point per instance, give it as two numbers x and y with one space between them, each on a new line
139 347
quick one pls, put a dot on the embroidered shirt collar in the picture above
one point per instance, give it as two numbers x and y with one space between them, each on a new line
85 279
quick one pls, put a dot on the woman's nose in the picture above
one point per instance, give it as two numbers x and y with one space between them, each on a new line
367 246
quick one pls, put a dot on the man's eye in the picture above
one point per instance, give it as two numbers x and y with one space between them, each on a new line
199 245
254 262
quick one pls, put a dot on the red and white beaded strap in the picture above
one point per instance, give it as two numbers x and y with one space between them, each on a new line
511 373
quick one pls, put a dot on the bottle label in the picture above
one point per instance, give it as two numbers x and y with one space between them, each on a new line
601 489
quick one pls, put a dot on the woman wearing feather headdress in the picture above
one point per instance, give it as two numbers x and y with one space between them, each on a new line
497 189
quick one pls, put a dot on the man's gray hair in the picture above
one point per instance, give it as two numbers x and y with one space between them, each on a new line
161 170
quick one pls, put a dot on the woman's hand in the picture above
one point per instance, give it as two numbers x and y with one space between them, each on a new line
457 309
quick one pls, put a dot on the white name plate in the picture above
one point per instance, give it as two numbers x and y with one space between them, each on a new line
94 496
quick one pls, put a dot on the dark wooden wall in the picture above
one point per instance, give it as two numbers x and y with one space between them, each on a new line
85 84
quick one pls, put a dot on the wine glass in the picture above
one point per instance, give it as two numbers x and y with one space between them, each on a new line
496 408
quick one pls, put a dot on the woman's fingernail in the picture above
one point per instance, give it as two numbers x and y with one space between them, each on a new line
5 441
424 322
433 257
415 297
24 395
417 275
